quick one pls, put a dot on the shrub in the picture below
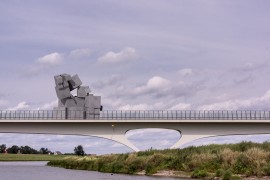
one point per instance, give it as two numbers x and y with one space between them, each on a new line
240 167
156 159
150 169
228 157
117 167
199 173
146 153
136 165
227 175
256 160
176 164
219 172
197 160
266 169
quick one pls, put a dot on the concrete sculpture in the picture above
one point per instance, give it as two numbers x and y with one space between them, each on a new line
82 106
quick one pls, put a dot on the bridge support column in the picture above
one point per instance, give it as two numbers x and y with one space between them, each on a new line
120 139
186 139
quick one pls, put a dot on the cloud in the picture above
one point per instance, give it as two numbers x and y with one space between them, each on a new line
51 59
44 63
79 53
155 83
181 106
126 54
258 103
153 137
185 72
142 106
135 107
54 59
111 81
3 103
21 106
49 106
228 139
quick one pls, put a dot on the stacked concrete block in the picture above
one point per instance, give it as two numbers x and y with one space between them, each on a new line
82 106
92 101
74 82
83 91
62 92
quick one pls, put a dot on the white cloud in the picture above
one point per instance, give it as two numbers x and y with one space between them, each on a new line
135 107
228 139
126 54
153 137
79 53
21 106
44 63
51 59
155 83
49 106
258 103
142 106
181 106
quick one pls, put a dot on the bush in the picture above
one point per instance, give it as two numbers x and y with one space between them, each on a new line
227 175
150 169
117 167
228 157
220 173
176 164
240 167
199 173
266 169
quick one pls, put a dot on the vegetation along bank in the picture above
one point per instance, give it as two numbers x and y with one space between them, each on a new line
229 161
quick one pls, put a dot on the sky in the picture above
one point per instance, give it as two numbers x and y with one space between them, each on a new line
137 55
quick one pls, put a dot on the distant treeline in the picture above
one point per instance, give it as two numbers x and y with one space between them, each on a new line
23 150
229 161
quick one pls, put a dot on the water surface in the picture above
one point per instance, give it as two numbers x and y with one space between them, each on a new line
39 171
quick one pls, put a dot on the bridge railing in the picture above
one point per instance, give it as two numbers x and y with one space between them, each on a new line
137 115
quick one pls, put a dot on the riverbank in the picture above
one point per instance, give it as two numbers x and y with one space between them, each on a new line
31 157
230 161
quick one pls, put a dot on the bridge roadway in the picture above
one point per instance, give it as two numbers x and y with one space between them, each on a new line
116 129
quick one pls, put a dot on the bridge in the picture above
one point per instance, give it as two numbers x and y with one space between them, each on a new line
113 125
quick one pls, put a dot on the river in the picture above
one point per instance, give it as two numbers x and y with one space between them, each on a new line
39 171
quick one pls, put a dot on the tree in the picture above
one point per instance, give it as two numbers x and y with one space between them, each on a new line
28 150
79 151
2 148
44 150
13 150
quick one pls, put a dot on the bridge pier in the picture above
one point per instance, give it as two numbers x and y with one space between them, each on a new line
186 139
120 139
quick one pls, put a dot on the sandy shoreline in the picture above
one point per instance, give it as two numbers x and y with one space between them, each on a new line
169 173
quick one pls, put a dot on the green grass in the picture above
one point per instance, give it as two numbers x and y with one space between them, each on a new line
30 157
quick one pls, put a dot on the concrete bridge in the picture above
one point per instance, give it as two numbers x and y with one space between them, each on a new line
113 125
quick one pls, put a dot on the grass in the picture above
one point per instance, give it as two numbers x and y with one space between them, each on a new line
229 161
30 157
